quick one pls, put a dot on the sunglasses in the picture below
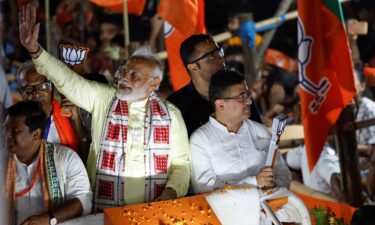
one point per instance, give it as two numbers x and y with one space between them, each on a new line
31 89
210 55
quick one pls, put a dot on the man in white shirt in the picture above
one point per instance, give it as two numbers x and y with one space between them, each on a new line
230 149
46 183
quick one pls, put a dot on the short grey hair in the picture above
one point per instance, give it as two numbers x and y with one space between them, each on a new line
145 52
24 66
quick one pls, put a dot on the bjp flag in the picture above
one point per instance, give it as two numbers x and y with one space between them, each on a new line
134 6
182 19
325 70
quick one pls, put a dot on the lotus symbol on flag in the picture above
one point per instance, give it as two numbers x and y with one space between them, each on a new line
304 54
73 55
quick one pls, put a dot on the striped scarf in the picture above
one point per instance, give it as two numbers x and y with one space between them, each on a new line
52 195
110 173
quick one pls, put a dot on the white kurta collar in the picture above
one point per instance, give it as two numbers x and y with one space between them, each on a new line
221 127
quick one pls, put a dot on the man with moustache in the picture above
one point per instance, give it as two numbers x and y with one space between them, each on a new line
230 149
33 86
46 183
139 151
202 57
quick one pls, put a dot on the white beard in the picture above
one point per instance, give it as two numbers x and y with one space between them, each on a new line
133 95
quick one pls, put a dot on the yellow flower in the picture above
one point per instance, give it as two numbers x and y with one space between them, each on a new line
332 220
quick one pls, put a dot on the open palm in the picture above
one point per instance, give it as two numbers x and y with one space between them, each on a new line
28 29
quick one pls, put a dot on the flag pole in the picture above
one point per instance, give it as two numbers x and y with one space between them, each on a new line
249 53
48 27
126 27
346 145
83 22
268 36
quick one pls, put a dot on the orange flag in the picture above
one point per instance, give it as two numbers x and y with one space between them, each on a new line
183 18
281 60
325 70
134 6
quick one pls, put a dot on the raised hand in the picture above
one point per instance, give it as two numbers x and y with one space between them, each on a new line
28 29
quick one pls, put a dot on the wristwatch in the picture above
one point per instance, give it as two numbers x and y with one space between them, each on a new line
52 220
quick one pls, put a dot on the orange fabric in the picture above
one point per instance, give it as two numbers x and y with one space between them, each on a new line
325 54
342 210
281 60
276 204
235 40
134 6
187 18
369 73
64 128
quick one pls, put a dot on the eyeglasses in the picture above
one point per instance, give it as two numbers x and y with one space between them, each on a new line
210 55
30 89
244 96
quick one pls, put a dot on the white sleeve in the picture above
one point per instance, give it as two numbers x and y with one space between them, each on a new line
77 183
203 175
327 164
294 157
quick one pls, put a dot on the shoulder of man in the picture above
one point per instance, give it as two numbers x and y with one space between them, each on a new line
64 153
369 103
173 109
260 129
204 131
179 96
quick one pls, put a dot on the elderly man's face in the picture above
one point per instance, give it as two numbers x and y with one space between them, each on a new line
135 79
35 87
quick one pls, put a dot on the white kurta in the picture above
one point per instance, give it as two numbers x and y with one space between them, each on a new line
73 181
320 177
221 158
53 135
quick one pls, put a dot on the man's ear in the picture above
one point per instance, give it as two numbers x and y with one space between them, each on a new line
37 134
219 105
154 84
193 67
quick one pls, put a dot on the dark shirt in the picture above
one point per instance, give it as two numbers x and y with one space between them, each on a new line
195 110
